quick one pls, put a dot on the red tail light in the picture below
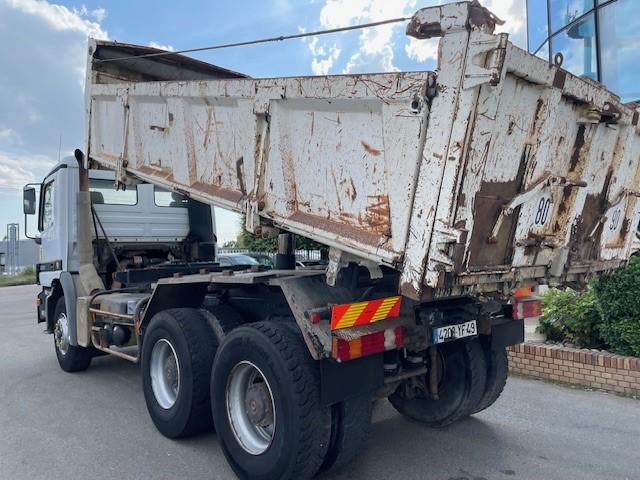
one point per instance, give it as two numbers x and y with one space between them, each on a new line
527 308
343 350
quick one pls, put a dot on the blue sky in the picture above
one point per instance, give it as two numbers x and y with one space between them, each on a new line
43 55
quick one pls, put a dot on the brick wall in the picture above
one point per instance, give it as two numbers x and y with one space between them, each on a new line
604 371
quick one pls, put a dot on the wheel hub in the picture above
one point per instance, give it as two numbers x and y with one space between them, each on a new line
61 333
250 408
171 372
164 370
258 405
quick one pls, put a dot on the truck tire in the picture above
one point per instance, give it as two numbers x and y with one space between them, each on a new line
71 358
177 354
497 372
461 386
222 319
265 395
350 430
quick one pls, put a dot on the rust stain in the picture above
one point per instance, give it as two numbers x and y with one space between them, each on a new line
240 175
559 78
577 148
487 207
289 172
206 188
583 245
370 150
216 191
340 229
378 214
354 193
335 184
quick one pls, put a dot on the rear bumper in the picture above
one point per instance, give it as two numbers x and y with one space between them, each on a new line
505 332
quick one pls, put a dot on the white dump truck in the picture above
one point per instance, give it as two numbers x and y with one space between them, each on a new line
443 197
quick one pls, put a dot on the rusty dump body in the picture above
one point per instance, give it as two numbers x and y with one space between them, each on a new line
496 169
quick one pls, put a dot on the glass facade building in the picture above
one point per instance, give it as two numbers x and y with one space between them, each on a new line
599 39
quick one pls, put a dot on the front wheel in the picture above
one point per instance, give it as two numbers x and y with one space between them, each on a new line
71 358
266 404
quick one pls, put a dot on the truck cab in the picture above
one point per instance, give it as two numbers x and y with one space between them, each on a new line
140 226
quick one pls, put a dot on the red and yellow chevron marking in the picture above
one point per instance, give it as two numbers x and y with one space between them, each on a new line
361 313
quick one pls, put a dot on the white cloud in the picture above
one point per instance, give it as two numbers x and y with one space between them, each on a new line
323 57
161 46
376 47
514 14
41 89
61 18
10 136
17 170
422 50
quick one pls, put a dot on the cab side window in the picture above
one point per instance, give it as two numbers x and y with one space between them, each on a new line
47 205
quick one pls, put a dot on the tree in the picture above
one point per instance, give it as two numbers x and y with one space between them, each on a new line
255 243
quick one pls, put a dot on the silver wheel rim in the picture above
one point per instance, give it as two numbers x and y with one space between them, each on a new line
250 407
61 333
165 373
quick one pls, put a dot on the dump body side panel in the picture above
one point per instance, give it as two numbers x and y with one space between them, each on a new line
333 158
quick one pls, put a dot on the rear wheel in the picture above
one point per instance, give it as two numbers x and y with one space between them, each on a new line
71 358
266 404
177 354
497 373
350 429
222 319
461 383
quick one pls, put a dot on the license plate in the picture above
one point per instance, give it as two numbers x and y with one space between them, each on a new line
454 332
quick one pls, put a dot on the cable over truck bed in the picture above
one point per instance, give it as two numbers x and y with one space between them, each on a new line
495 169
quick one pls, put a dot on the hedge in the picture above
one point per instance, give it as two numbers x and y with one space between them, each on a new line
605 315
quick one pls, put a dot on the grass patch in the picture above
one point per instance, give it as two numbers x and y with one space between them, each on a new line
26 277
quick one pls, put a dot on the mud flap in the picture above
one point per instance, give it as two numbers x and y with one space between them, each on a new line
505 332
341 381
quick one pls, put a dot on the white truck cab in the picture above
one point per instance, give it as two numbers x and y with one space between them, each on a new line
142 225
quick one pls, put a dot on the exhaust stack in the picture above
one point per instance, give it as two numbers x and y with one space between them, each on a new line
89 280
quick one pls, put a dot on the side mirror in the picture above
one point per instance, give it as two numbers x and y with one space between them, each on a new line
29 201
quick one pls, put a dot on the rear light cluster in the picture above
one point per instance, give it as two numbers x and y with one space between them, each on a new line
526 304
389 339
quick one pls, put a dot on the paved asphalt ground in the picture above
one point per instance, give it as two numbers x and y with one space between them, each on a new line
94 424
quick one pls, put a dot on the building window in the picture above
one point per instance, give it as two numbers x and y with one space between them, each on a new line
577 44
619 31
599 39
537 26
563 12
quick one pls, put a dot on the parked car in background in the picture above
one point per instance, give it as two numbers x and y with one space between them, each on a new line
312 264
235 259
262 258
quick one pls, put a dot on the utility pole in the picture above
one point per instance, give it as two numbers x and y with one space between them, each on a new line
13 248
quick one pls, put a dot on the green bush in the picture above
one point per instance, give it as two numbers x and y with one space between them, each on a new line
607 314
571 316
618 301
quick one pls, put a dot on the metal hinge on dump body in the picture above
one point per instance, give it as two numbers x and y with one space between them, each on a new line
477 71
